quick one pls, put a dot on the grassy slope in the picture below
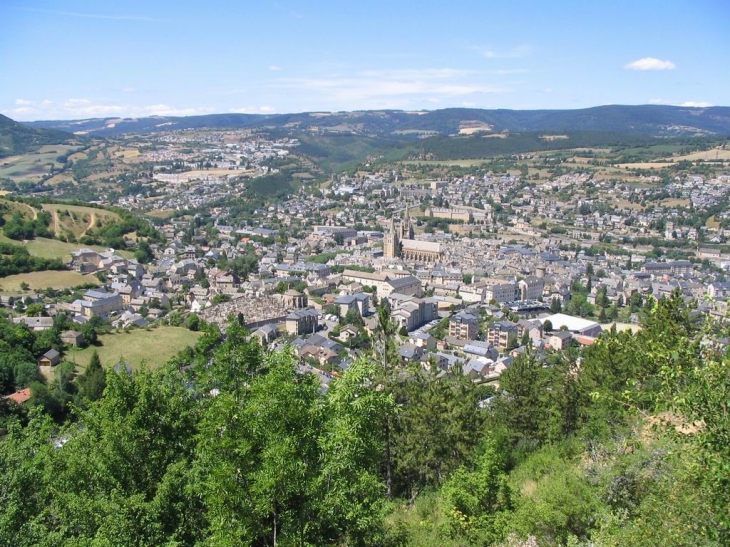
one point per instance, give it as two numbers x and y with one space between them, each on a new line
155 347
10 285
53 248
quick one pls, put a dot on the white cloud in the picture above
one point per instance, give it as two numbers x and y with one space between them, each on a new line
519 51
650 63
274 68
75 108
695 104
23 102
252 110
689 104
23 110
388 88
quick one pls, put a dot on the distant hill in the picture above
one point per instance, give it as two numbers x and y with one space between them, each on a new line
654 120
18 138
106 127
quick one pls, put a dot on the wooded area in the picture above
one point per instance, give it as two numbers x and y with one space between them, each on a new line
627 443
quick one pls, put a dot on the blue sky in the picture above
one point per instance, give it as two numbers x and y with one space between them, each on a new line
69 59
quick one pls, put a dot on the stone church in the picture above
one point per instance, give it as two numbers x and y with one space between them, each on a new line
399 243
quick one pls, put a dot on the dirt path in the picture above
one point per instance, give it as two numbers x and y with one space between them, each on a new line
56 224
33 211
92 221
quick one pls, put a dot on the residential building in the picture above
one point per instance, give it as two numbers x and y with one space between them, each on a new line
302 322
464 325
502 334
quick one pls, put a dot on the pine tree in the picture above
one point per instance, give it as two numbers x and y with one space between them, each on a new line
93 381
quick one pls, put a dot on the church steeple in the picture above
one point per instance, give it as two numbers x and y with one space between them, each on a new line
406 226
391 241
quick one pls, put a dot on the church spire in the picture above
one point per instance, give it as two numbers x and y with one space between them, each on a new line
407 226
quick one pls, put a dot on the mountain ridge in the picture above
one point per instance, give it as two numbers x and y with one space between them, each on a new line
18 138
656 120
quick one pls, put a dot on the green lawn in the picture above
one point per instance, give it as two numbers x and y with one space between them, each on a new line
63 279
54 248
155 347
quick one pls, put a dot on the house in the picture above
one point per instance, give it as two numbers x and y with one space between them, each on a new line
266 334
302 322
128 319
533 328
410 352
49 358
19 397
560 340
422 340
72 338
35 323
349 331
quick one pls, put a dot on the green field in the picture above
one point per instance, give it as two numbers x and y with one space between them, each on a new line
155 347
54 248
35 164
63 279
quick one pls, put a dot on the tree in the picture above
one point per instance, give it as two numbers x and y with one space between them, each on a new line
547 326
35 310
93 380
555 305
25 374
192 322
476 497
436 429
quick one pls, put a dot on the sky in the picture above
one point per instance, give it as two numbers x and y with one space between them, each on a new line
77 59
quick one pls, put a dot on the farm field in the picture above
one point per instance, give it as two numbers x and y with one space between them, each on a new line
707 155
33 165
54 248
63 279
155 347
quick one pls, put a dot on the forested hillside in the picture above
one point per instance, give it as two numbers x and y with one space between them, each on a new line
17 138
627 443
661 120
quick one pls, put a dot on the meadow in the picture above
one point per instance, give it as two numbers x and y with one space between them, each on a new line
154 347
64 279
33 165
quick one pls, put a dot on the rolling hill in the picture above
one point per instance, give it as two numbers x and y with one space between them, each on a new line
18 138
655 120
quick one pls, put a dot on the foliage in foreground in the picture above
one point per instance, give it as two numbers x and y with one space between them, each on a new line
625 444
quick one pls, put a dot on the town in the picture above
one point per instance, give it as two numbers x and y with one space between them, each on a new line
473 269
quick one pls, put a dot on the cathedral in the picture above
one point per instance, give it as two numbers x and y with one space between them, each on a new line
399 243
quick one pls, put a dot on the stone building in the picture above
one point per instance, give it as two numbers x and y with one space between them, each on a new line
399 243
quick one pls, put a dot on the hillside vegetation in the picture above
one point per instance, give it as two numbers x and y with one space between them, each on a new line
227 445
17 138
642 119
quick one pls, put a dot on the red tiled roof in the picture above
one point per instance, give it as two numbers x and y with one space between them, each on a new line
20 396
